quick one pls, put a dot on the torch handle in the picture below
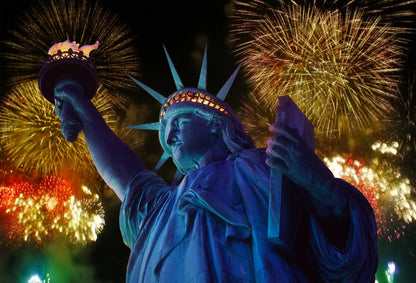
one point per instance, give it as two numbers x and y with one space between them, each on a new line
71 125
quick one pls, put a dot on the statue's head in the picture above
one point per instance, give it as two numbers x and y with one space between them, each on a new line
199 118
202 122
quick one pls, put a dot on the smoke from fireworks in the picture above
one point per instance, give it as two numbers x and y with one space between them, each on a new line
47 22
338 68
401 126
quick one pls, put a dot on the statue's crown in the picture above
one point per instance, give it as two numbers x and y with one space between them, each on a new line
186 98
191 97
199 98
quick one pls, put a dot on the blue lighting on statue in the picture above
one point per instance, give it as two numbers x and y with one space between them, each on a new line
240 214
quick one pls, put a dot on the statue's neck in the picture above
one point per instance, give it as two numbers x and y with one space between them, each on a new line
218 152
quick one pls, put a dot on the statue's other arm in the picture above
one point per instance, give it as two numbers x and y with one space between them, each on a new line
114 160
343 236
298 162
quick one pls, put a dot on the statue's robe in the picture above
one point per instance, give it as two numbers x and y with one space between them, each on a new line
213 228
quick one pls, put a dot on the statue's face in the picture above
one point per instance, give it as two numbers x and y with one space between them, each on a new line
191 140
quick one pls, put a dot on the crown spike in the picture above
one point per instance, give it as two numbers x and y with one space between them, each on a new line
149 126
222 94
202 83
150 91
176 78
161 161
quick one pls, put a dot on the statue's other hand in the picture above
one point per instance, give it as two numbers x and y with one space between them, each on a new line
297 161
289 154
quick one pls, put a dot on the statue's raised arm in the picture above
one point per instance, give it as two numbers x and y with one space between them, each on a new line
114 160
68 80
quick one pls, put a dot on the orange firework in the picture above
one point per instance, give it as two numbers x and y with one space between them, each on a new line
37 212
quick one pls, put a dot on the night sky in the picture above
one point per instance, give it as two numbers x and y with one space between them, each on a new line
184 27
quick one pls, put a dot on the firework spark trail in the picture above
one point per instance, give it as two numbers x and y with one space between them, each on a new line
338 69
9 197
29 125
256 119
323 52
82 221
54 191
47 22
50 209
397 12
388 192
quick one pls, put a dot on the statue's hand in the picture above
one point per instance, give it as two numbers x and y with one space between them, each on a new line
72 107
298 162
69 95
295 159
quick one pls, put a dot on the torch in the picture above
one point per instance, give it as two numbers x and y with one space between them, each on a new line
70 64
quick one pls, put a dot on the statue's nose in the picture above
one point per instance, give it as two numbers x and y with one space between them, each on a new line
172 137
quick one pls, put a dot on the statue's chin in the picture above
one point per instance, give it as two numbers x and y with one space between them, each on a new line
185 167
71 129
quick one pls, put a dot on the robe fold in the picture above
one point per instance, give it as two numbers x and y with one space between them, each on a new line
212 227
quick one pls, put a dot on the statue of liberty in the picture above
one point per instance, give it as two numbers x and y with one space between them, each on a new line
214 226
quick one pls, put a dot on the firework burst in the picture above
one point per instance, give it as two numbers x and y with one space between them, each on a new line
30 132
47 22
38 212
10 196
388 192
396 12
82 221
338 68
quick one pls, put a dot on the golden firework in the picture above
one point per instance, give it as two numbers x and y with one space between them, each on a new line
47 22
389 193
30 133
82 221
48 214
340 69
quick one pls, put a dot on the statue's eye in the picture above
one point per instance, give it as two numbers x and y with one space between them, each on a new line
180 123
175 125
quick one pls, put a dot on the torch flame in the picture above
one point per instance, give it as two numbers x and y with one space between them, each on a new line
66 45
